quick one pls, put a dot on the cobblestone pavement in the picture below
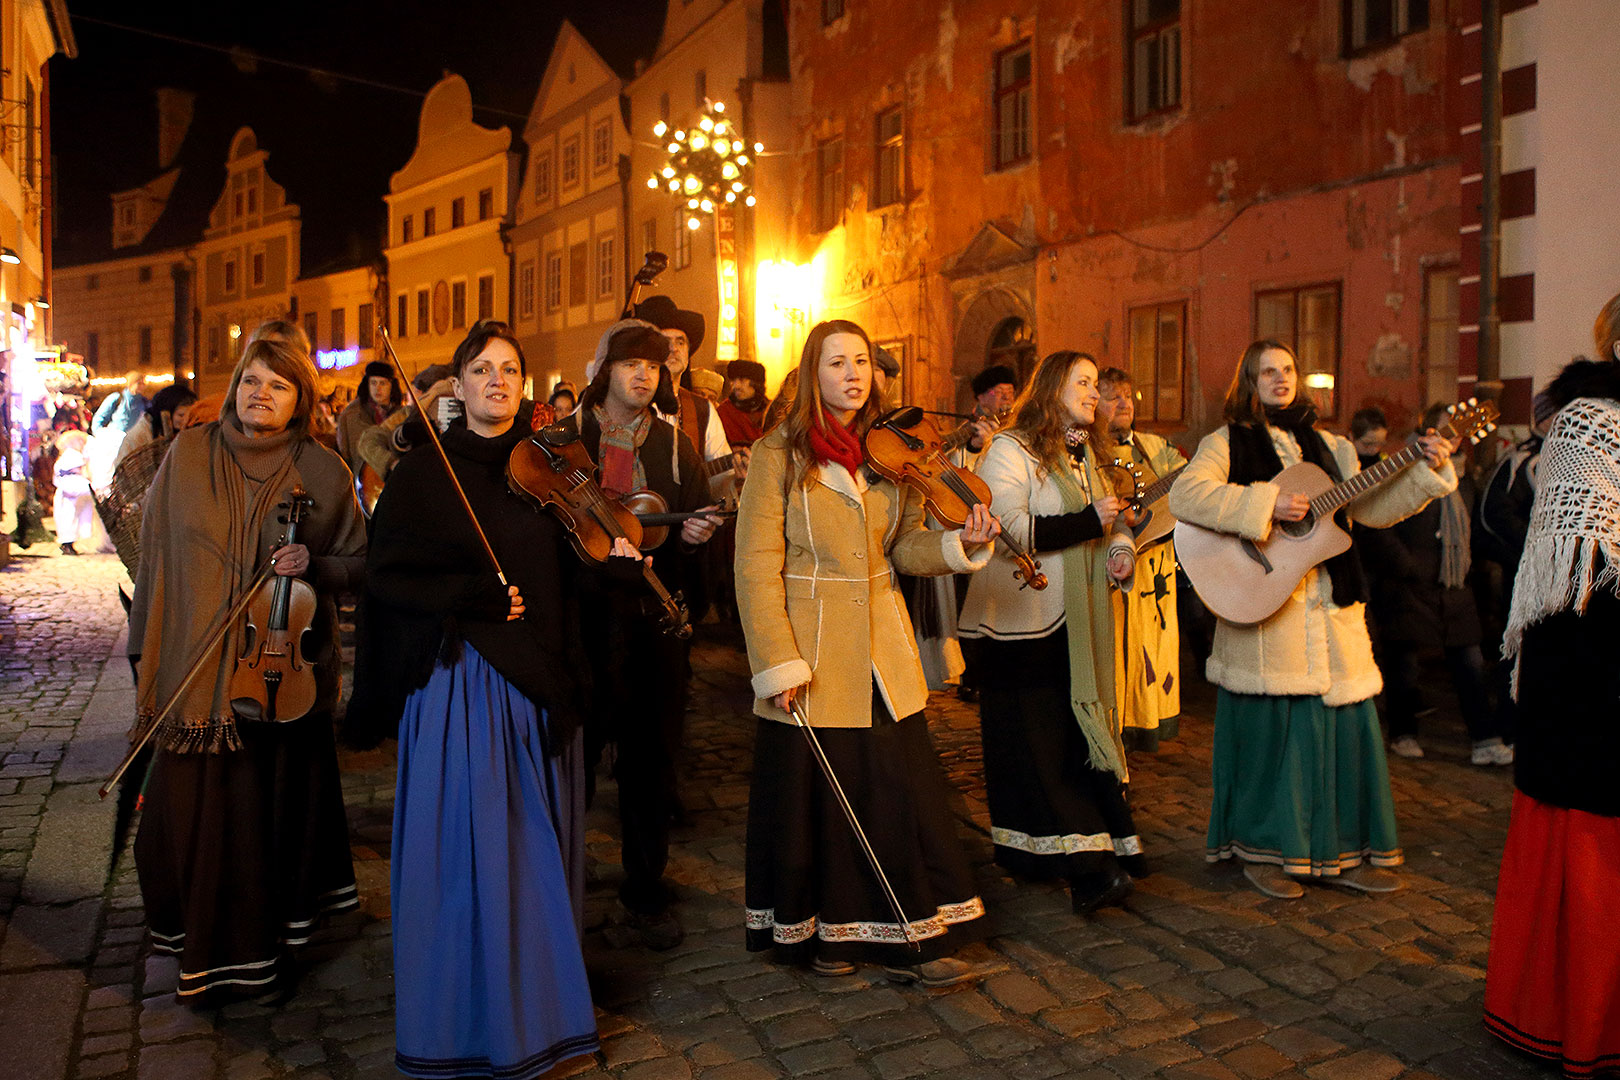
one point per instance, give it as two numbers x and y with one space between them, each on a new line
1199 977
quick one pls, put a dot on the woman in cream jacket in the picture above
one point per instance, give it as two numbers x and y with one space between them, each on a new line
1301 787
818 541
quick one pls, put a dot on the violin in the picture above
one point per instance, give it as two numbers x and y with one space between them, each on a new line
905 447
656 518
274 680
552 469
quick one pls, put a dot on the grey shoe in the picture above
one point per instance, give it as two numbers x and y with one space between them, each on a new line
1272 881
946 971
1367 879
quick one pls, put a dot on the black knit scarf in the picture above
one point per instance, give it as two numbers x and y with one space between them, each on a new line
1254 459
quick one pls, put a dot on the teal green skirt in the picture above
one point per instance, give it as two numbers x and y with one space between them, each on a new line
1301 785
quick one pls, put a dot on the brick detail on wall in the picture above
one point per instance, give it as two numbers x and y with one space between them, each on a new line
1519 90
1516 298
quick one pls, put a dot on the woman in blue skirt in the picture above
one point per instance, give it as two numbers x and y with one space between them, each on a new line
489 811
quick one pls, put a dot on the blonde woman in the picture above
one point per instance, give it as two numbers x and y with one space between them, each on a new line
1054 766
819 539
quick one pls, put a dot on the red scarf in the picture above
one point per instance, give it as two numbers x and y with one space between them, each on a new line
833 442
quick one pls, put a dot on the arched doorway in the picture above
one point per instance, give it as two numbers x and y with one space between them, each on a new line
996 328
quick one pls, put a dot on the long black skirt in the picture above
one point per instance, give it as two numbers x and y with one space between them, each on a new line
810 890
241 853
1052 813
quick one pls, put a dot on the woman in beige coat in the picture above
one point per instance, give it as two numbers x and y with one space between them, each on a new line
1301 787
819 539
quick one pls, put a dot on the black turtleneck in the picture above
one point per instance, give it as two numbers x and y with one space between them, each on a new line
430 586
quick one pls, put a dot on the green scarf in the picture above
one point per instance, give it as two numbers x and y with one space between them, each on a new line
1091 627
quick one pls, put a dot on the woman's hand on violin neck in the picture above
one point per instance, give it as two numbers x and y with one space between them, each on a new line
290 560
624 549
1108 508
516 599
697 530
981 527
784 700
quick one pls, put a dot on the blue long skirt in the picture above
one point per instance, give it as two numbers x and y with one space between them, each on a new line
488 883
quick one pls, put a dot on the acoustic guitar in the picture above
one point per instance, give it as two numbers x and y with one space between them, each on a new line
1246 581
1152 509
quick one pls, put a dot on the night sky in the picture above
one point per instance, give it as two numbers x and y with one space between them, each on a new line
330 139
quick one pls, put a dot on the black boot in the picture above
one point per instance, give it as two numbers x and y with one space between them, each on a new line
1102 890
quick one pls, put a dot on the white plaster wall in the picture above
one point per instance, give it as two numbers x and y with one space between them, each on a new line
1577 234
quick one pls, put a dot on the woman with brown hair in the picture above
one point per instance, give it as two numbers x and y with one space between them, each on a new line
1054 765
819 539
1301 787
243 844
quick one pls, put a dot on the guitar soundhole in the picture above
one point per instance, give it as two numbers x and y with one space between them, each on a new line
1302 527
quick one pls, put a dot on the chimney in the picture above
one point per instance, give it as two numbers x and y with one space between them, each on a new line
174 109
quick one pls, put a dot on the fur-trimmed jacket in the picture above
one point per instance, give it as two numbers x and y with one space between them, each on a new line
1310 646
816 591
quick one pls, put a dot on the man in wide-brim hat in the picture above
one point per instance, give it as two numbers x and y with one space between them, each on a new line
694 415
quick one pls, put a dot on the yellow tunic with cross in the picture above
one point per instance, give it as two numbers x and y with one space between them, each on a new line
1147 637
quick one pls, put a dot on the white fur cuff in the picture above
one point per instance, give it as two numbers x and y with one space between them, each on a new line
775 680
956 556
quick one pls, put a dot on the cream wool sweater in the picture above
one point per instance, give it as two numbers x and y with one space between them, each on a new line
1310 646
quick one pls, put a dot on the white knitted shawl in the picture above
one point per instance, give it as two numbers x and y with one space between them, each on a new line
1573 544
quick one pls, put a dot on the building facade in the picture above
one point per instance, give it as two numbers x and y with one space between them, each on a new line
448 265
246 261
1551 212
733 52
568 240
339 312
129 314
1155 183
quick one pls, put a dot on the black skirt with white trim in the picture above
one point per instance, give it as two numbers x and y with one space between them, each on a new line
810 890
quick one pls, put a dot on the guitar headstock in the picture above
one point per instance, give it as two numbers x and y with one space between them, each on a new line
1469 420
1127 480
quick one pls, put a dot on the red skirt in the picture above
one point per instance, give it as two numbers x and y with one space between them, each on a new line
1553 985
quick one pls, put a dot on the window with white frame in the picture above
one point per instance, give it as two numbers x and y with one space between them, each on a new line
681 257
1153 57
601 145
570 161
605 286
526 290
553 280
1370 24
542 176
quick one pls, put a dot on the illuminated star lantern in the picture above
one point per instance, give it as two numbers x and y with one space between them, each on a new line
707 166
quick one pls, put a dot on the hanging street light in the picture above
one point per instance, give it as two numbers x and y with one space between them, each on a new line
707 165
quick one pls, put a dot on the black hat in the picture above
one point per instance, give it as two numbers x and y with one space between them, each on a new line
885 361
380 368
994 375
662 313
747 369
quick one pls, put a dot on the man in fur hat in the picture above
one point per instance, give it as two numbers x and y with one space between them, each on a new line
640 674
376 399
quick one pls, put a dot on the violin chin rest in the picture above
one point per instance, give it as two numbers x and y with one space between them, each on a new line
247 708
558 434
907 416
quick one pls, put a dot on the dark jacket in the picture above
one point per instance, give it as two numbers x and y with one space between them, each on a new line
430 587
1410 605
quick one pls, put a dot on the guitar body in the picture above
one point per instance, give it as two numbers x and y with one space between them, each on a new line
368 486
1245 582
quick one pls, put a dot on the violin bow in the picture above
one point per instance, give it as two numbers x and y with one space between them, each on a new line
185 684
796 711
444 459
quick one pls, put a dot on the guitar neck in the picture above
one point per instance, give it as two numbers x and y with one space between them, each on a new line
712 469
1161 487
1364 481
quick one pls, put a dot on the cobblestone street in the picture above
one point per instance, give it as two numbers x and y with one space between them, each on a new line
1199 977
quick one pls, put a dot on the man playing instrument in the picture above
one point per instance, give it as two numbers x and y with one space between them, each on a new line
243 844
1147 639
641 674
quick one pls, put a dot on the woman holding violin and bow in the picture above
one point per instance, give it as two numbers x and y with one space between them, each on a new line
243 844
473 609
819 539
1054 766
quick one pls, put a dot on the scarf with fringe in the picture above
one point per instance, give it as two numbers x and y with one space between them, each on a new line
1573 546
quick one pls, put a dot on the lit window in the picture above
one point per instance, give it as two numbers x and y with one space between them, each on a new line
1307 320
1158 351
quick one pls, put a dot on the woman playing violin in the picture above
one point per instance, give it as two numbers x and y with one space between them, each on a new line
243 844
819 539
488 852
1054 766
